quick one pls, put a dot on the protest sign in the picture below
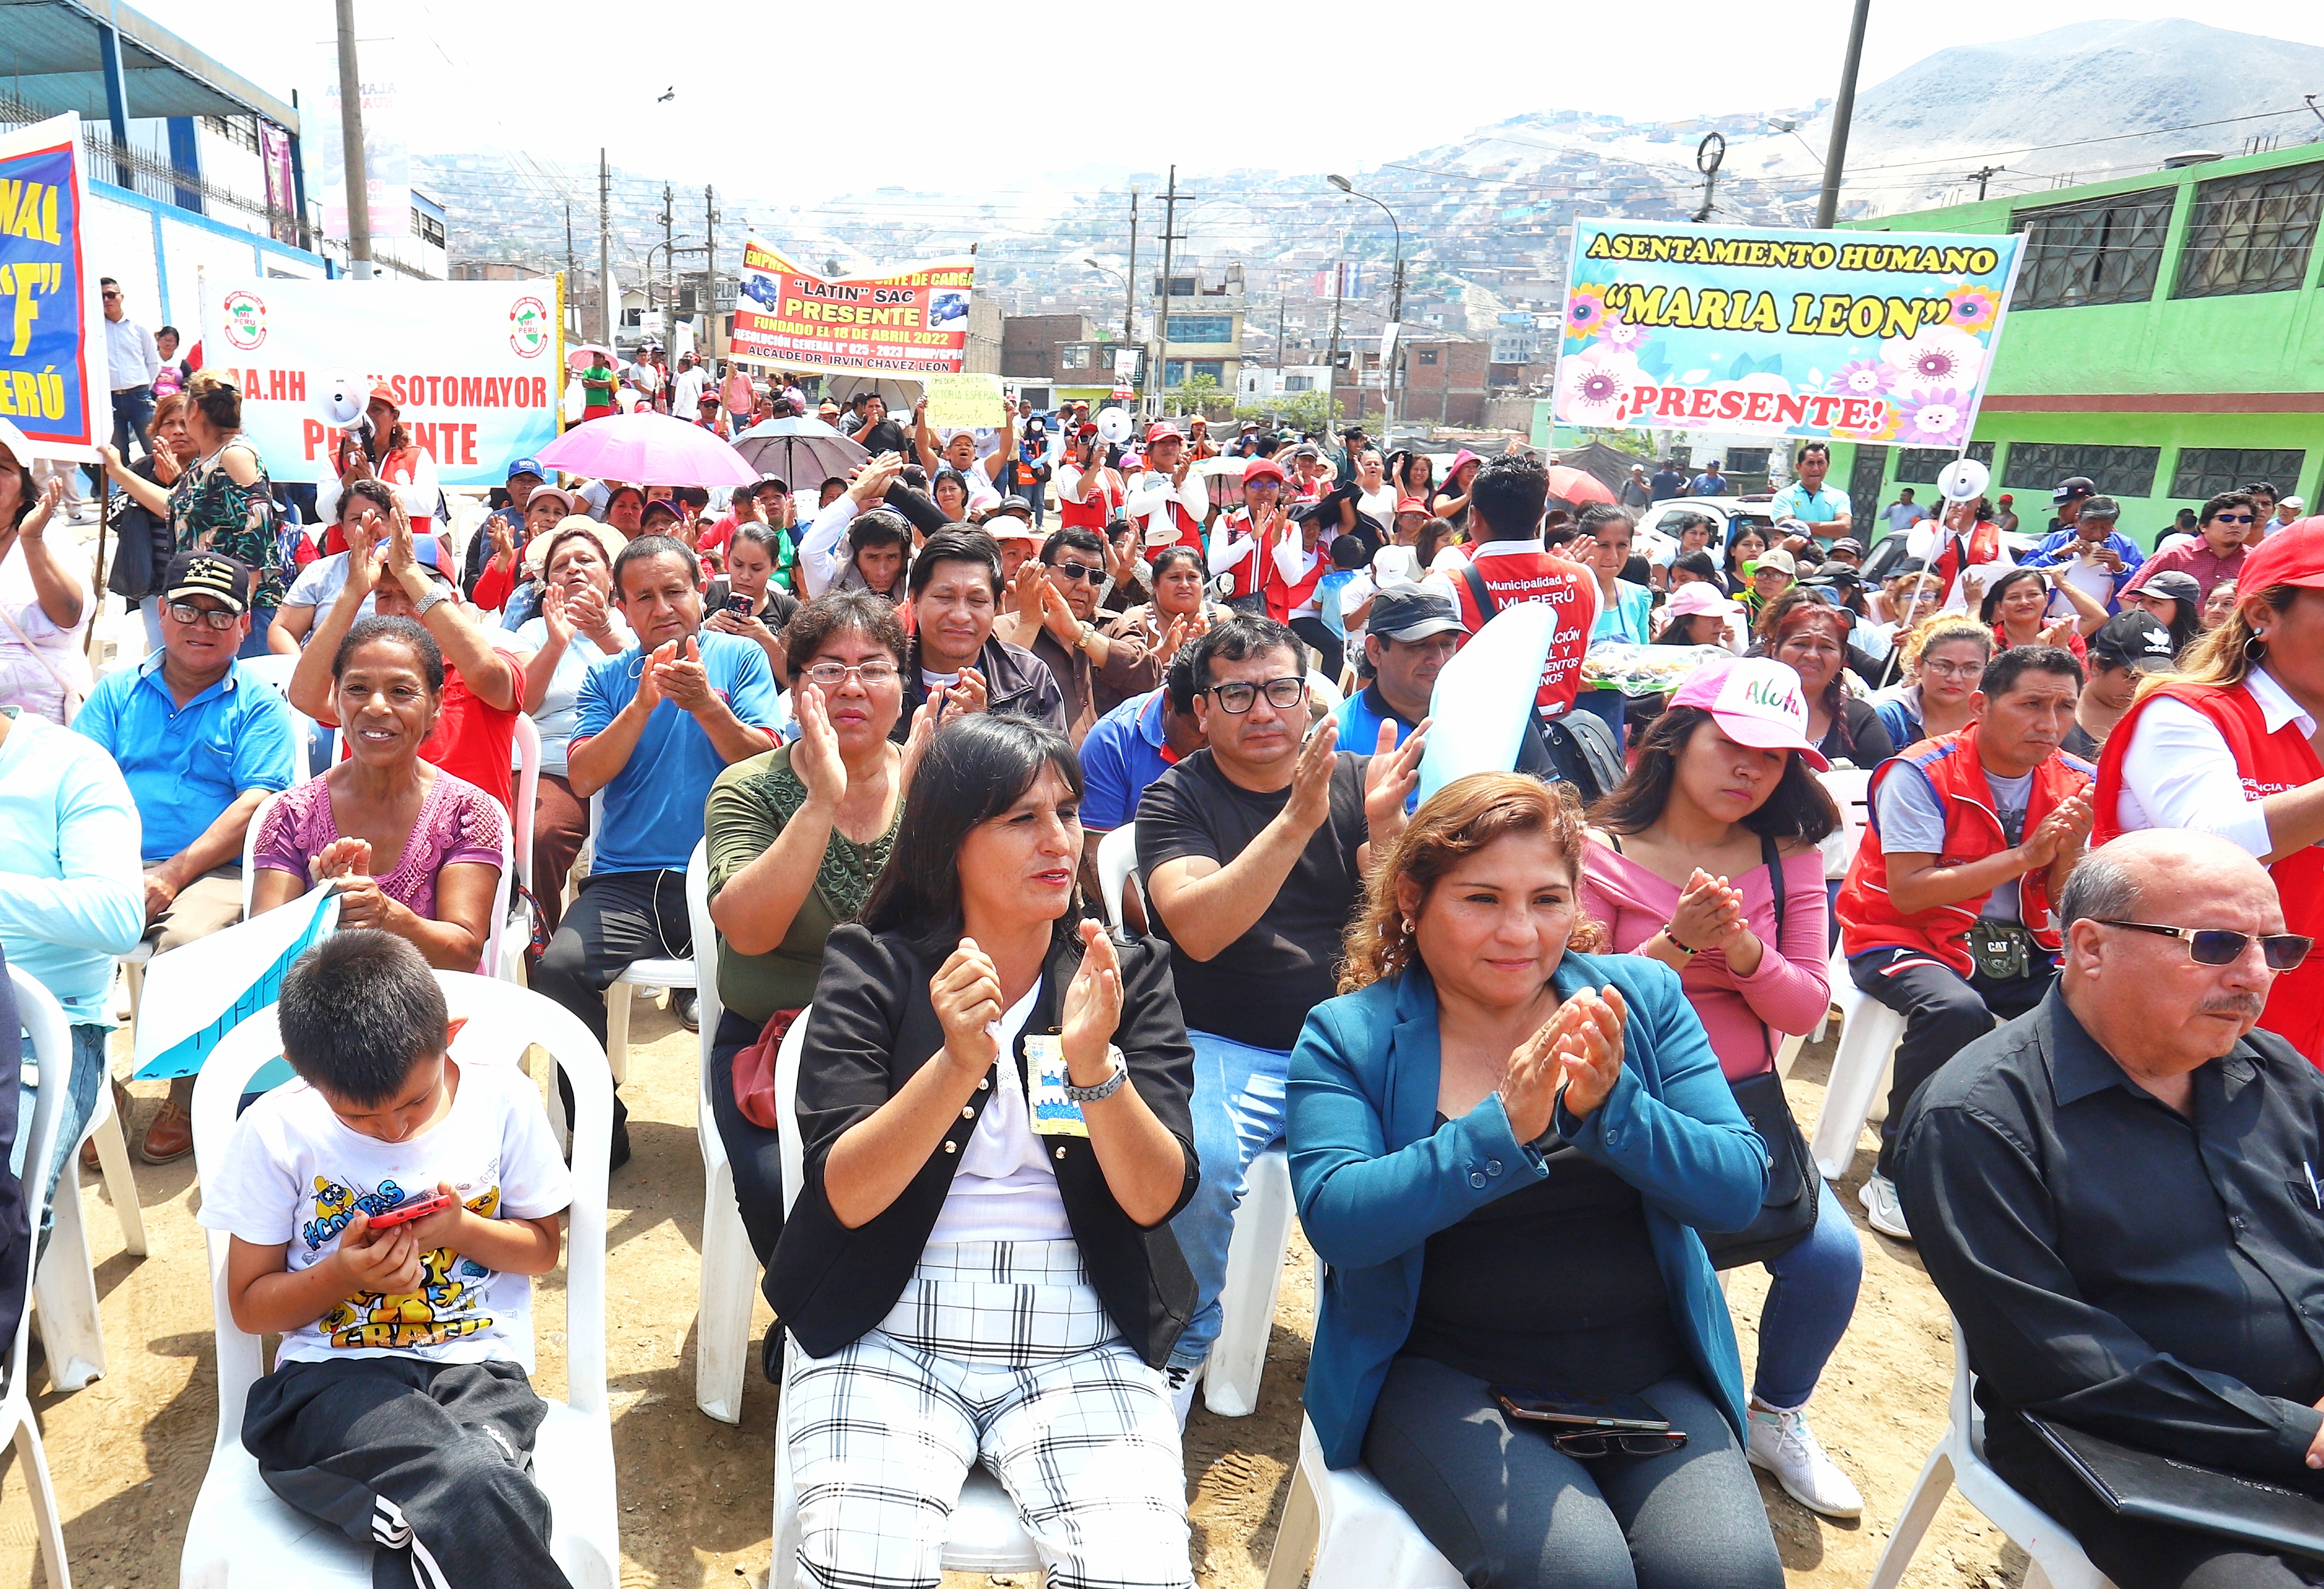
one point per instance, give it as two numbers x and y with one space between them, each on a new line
474 364
966 402
54 383
908 322
199 991
1864 336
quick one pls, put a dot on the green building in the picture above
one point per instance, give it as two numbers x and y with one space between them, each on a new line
2166 339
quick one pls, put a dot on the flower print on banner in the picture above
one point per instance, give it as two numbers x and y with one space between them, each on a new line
1935 418
1585 314
1619 334
1593 384
1974 309
1862 378
1939 356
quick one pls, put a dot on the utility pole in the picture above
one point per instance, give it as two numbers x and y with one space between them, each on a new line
1843 110
1332 365
709 269
668 247
1130 296
1279 306
605 251
351 136
1983 175
1162 310
572 273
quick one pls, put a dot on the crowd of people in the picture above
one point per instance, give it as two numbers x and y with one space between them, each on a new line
1518 1040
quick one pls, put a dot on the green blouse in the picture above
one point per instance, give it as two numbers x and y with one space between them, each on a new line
749 804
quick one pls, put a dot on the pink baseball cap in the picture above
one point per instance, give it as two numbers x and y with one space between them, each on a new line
1757 702
1700 599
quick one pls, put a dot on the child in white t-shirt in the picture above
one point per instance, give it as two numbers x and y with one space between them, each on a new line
401 1408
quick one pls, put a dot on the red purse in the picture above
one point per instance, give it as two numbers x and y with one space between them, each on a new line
754 1070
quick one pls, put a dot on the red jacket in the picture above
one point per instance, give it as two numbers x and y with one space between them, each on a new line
1514 577
2270 764
1868 921
1283 597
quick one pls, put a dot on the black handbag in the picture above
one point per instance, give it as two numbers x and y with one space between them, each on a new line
1787 1213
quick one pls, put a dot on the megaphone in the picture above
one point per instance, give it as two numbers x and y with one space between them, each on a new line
1963 480
341 395
1113 425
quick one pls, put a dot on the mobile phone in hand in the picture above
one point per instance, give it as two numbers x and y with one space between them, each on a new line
739 605
435 1202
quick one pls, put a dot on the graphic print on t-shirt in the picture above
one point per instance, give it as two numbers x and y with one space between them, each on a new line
449 1304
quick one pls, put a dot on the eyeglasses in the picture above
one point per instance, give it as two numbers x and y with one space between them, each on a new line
2211 946
1953 670
1589 1442
1078 570
2232 518
218 618
830 676
1238 698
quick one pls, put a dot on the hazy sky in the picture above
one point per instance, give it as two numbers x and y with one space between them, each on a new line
794 102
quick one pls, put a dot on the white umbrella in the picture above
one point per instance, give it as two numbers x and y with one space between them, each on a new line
774 447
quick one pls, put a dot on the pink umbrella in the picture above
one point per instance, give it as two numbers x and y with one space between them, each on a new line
647 449
1574 485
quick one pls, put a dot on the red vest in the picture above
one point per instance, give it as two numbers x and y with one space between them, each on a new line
1246 573
1537 576
1096 508
1189 528
1973 830
1282 597
2270 764
1984 546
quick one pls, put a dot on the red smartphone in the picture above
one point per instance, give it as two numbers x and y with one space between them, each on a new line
435 1202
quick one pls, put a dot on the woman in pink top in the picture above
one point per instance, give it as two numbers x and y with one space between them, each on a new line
1684 866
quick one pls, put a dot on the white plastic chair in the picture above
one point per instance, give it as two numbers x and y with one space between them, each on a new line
64 1285
730 1267
1262 1228
673 974
241 1532
985 1536
1117 857
1959 1460
516 924
1868 1035
51 1055
1357 1535
1851 788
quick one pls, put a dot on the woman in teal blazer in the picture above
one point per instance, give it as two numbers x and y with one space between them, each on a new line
1500 1147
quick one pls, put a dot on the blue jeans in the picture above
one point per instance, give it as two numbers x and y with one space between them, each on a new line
1238 1116
1808 1306
132 411
88 1075
1037 495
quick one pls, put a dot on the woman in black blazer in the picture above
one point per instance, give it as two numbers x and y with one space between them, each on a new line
993 1119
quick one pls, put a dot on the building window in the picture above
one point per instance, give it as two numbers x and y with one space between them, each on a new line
1202 328
1299 383
1174 373
2103 252
1180 287
1747 460
2206 472
1215 368
1074 356
2251 233
1920 465
2119 472
1428 355
427 227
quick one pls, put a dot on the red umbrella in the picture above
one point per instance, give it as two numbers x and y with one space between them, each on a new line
1578 485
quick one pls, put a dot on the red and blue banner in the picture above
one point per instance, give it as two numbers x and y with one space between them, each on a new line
52 381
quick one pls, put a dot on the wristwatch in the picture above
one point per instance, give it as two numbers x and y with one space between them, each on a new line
1089 633
1105 1089
420 608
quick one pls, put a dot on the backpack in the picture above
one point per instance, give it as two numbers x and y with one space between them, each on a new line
1577 749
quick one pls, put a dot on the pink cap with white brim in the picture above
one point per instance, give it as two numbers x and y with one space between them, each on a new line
1757 702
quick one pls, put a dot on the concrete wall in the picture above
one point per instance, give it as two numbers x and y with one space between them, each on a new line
158 253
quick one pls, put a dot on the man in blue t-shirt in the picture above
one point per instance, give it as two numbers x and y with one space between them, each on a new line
1409 635
652 727
1668 482
1810 500
1134 744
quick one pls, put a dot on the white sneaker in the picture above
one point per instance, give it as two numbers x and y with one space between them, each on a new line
1881 1208
1183 1382
1783 1444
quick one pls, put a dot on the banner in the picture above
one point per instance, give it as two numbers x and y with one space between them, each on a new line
53 382
1863 337
387 151
473 363
199 991
908 322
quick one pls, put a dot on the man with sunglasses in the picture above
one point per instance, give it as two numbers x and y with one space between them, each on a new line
1946 915
1055 618
2213 554
1252 853
2118 1195
201 742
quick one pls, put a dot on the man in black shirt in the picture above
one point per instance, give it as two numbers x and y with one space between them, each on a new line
2113 1193
1252 853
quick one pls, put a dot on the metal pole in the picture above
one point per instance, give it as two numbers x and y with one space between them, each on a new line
1331 365
669 245
1130 297
605 253
1162 310
709 266
1843 110
572 272
351 136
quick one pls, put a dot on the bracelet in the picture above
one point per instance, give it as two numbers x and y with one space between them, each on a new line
1671 938
1105 1089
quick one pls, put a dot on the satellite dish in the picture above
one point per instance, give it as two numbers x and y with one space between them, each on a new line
1113 425
341 397
1963 480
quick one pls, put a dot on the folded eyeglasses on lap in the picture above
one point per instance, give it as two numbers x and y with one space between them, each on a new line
2212 946
1589 1442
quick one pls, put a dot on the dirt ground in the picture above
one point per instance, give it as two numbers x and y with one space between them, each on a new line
128 1453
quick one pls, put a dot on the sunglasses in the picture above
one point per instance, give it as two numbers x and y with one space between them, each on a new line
1238 698
2232 518
2210 946
1077 571
1589 1442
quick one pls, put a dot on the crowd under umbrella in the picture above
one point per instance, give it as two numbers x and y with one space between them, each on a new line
774 447
645 448
1575 487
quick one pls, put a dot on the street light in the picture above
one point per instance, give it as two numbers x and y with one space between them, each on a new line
1129 300
1396 310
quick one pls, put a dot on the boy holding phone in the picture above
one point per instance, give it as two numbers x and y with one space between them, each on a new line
400 1409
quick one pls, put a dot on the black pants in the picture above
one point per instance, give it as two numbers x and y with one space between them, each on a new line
753 1152
618 918
1318 634
1943 1013
432 1462
1510 1510
2135 1555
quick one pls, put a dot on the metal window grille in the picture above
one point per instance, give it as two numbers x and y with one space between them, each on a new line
2251 233
2119 472
2206 472
2103 251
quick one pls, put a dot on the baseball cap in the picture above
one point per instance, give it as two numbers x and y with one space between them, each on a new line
2072 489
2007 497
1848 543
2181 587
1756 701
2294 503
544 493
532 466
2132 638
776 480
1262 469
1412 505
1404 611
1780 559
384 393
1306 449
2293 555
1010 507
1835 573
208 574
1701 599
1162 430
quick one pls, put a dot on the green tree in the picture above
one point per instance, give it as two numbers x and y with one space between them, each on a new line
1302 410
1202 395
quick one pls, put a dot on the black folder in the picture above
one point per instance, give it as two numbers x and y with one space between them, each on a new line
2156 1489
